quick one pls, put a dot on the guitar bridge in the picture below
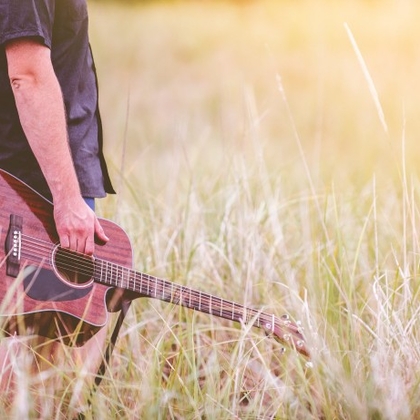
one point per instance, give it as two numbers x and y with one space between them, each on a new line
13 245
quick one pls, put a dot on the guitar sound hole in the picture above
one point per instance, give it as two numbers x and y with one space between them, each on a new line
73 267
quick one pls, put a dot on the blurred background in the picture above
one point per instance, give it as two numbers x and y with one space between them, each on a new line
268 152
209 78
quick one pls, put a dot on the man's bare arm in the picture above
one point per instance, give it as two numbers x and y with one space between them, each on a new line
42 115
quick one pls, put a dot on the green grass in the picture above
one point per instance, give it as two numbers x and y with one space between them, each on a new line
252 163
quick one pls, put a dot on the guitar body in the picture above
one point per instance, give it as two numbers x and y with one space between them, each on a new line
36 298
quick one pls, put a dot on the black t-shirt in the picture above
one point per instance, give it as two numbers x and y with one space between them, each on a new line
61 25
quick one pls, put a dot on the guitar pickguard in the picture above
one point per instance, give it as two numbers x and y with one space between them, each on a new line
43 285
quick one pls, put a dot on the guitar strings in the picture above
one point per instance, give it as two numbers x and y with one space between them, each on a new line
83 268
160 288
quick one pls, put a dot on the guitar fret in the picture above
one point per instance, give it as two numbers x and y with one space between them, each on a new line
233 311
172 293
105 269
176 295
118 276
112 274
102 269
221 307
108 273
199 301
189 300
147 280
115 276
103 276
109 270
125 278
137 285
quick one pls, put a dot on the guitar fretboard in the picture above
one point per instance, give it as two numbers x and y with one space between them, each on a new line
157 288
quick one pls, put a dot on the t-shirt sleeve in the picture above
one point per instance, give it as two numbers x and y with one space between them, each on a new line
27 18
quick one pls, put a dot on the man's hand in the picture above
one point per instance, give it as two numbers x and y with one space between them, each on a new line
77 227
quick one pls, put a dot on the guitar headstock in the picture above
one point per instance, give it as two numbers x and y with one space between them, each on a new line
287 332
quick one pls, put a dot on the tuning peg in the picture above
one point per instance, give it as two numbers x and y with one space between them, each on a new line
286 319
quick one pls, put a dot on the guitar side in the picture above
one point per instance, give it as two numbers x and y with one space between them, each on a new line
51 308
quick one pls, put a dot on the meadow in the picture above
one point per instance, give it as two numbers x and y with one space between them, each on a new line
265 152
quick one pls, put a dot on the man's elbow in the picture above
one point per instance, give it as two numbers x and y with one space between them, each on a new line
20 82
28 63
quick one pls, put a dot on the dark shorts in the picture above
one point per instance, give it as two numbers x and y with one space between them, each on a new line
90 202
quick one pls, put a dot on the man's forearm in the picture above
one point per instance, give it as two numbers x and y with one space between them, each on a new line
42 115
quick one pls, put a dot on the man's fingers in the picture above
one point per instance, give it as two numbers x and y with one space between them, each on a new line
84 244
65 241
89 246
73 242
99 232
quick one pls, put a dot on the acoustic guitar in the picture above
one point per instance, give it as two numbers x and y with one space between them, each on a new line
57 293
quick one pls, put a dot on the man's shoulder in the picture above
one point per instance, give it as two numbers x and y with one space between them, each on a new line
20 19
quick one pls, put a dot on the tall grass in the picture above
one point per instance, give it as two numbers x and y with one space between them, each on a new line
252 163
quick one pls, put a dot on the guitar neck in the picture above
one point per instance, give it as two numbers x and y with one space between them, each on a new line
153 287
157 288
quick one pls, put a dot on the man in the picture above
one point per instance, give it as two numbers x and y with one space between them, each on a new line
50 129
48 96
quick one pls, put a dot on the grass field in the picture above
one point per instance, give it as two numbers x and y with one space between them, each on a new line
265 152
